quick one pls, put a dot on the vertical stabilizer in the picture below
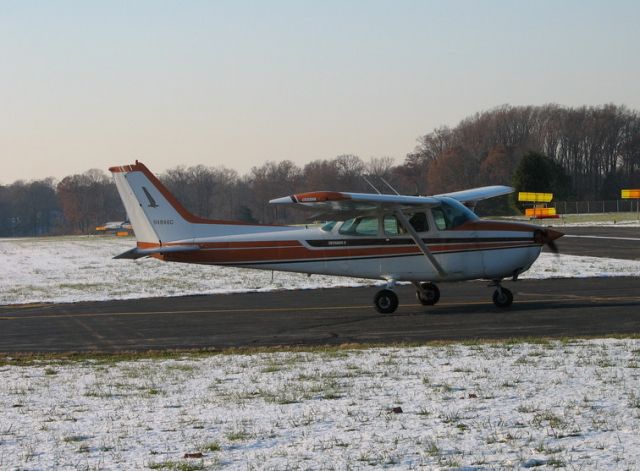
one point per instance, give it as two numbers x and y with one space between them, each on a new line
151 208
157 217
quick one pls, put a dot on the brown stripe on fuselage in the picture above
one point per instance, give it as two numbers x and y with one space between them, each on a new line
491 226
300 253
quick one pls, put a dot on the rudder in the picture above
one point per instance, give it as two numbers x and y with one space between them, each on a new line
155 215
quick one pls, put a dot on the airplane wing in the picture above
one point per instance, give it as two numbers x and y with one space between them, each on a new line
328 203
334 202
474 195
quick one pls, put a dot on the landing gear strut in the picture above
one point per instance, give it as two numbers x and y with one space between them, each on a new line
427 294
502 297
385 301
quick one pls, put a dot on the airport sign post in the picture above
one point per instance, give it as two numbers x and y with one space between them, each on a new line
538 201
632 195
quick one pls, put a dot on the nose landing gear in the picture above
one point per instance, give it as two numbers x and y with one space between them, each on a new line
502 297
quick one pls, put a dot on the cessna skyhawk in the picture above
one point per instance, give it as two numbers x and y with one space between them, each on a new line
421 239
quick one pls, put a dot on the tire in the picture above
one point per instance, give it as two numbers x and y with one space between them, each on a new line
428 294
503 300
385 301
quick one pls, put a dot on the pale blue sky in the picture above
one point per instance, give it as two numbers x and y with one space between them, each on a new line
92 84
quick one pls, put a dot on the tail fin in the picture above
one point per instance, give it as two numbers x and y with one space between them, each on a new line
157 217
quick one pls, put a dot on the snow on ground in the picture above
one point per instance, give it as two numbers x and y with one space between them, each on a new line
561 223
574 405
69 269
584 220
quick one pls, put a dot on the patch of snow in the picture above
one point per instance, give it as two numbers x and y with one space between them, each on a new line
486 406
574 266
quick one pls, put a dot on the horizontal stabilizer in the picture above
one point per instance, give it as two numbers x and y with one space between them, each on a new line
136 252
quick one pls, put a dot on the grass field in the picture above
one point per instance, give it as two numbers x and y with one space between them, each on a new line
572 404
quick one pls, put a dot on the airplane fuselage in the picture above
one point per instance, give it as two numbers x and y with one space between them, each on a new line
478 249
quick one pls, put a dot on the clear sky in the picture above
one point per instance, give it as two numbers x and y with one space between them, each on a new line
88 84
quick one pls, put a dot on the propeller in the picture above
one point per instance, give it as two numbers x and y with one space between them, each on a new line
547 237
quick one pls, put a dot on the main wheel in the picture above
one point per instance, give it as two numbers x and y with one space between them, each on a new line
502 297
385 301
428 294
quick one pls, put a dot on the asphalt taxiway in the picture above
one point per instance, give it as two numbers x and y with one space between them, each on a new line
553 307
601 241
563 307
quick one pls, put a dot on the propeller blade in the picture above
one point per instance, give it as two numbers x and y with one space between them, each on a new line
548 237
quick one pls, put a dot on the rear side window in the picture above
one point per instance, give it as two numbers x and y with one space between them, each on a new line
392 226
364 226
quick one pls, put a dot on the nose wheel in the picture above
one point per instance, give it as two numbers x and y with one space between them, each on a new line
385 301
502 297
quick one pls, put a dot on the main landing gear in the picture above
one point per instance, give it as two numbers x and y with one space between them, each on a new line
427 294
385 301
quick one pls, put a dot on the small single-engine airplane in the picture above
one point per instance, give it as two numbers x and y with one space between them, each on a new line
114 226
421 239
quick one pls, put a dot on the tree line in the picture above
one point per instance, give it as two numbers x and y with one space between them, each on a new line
591 153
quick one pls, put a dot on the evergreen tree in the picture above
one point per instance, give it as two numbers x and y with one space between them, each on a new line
540 174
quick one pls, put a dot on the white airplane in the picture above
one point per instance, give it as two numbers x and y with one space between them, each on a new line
115 226
421 239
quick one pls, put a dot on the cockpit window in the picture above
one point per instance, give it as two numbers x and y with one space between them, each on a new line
366 226
393 227
451 214
419 222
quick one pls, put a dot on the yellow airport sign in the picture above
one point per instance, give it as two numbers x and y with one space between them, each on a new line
529 197
628 194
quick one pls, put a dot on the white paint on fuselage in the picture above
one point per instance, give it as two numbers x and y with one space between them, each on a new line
463 265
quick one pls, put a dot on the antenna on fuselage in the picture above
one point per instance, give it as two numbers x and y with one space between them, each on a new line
371 185
389 185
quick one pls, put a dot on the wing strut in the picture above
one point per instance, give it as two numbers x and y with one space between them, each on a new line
419 242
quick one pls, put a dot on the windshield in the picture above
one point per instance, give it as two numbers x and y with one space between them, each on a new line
451 214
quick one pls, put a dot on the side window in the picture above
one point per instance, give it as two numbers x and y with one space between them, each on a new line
365 226
419 222
439 218
392 226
